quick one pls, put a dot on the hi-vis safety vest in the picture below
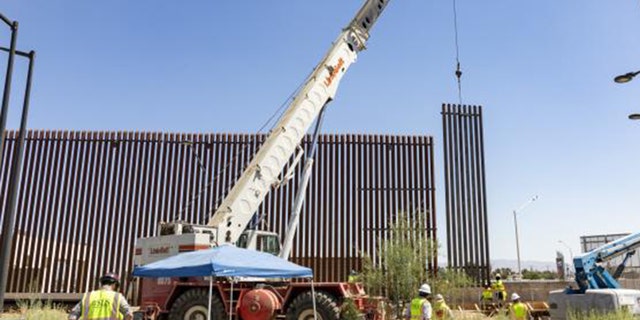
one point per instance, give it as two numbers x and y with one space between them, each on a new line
416 308
519 311
101 305
498 286
441 310
487 294
499 290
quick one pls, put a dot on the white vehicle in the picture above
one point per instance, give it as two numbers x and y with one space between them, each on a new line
602 300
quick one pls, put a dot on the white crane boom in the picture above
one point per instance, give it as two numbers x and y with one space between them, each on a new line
236 210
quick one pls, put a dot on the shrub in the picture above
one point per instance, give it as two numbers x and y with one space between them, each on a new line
37 310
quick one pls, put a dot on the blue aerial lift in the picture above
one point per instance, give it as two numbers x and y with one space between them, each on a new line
591 275
598 290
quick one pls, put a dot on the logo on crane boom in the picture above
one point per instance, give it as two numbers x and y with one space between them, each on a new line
333 72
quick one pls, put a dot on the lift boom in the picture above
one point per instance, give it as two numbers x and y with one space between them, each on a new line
237 209
590 275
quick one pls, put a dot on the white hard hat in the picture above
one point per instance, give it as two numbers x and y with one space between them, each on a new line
498 275
515 296
425 288
439 297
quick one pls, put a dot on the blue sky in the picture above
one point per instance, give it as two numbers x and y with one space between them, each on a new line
555 123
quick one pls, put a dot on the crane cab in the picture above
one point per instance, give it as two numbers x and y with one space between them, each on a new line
177 237
264 241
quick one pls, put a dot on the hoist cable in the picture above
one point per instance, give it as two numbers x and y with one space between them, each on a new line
458 70
278 113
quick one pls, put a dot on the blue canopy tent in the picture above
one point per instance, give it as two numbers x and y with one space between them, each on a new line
223 261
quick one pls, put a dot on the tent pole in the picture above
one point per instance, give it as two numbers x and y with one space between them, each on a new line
210 296
231 302
313 299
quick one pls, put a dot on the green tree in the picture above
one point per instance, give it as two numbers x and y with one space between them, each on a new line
400 264
538 275
451 284
504 273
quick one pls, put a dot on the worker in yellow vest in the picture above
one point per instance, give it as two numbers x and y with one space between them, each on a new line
441 310
353 277
487 295
499 291
518 310
420 307
104 304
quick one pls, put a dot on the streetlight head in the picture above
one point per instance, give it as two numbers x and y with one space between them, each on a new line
634 116
624 78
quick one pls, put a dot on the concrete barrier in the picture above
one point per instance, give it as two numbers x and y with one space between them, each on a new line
529 290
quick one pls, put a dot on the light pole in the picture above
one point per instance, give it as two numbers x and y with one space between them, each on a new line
570 253
567 246
515 223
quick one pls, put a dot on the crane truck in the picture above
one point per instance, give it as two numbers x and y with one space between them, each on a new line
597 289
187 298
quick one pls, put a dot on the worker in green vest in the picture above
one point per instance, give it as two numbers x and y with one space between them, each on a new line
499 291
420 307
487 295
353 277
518 310
103 304
441 310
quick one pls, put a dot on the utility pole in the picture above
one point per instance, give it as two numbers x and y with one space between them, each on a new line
515 222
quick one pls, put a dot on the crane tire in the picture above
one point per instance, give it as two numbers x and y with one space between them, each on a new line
301 308
193 305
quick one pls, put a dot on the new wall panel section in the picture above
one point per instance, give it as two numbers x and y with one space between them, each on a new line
465 193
